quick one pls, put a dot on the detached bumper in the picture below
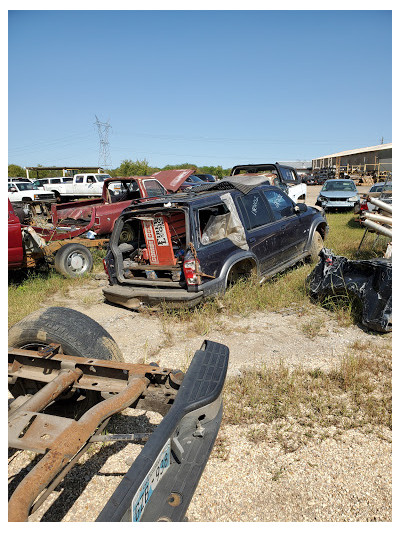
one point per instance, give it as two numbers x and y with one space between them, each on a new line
134 298
161 482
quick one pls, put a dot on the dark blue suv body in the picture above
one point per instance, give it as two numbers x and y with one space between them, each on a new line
185 247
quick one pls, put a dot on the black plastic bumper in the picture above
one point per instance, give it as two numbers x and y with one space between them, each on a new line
134 297
188 433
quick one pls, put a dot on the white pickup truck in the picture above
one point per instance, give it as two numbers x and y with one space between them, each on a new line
24 191
282 176
82 185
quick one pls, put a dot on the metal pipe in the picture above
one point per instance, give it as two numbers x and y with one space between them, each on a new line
50 391
382 205
378 228
65 446
377 218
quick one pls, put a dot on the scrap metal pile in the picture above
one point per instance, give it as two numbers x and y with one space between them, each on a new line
378 219
369 280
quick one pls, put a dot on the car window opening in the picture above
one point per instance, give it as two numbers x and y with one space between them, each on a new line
221 221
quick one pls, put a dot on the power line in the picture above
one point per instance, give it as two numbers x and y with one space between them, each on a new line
104 151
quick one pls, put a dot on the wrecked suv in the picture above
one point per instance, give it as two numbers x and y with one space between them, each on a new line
192 245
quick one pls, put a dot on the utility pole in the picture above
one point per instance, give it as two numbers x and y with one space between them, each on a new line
104 151
381 140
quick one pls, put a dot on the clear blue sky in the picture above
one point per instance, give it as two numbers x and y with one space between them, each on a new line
206 87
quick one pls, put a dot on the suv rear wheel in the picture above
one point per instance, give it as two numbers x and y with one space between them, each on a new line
242 270
317 244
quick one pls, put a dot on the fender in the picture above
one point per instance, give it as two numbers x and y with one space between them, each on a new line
320 221
220 283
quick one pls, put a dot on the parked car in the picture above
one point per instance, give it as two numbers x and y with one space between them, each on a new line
309 179
338 193
81 186
364 204
198 243
191 181
24 180
280 175
26 192
41 182
209 178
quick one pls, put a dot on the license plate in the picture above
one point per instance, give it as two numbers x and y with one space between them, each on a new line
151 481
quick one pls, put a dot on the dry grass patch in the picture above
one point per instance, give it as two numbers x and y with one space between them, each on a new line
291 407
312 328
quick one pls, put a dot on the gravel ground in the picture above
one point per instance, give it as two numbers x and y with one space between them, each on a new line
343 477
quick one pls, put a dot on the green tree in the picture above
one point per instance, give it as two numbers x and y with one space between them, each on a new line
15 171
181 165
133 168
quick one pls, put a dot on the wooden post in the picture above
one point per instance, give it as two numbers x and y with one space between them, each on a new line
337 173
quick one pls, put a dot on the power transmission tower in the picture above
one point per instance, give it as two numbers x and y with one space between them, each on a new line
104 150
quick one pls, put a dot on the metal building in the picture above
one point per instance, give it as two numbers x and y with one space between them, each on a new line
372 161
302 167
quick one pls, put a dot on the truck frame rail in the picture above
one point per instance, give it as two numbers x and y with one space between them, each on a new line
176 451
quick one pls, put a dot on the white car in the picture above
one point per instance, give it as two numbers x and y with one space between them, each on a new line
27 192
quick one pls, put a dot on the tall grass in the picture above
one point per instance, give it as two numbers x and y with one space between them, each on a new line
283 291
27 295
345 234
356 394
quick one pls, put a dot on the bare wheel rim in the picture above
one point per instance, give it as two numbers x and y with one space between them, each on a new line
77 262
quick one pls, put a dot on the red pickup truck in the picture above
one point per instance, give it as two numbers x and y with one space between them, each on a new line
118 193
65 244
15 248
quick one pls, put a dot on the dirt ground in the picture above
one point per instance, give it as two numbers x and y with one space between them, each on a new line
333 480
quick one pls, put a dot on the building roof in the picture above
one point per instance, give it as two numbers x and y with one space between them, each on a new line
65 167
387 146
296 164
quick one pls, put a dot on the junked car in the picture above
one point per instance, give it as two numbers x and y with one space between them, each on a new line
282 176
338 193
207 177
68 378
191 181
382 191
193 245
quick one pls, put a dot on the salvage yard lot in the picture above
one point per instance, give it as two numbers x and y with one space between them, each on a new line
306 433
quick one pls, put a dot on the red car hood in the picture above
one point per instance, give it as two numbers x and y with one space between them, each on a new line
173 179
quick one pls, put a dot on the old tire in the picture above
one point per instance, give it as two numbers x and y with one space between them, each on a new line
317 244
77 334
73 260
127 234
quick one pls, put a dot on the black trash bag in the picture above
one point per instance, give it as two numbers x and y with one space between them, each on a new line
369 280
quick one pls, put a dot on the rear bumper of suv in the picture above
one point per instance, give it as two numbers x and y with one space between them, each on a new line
135 297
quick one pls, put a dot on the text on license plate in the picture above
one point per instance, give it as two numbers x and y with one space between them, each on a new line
150 482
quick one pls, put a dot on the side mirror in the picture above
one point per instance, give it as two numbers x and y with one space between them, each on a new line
300 208
13 189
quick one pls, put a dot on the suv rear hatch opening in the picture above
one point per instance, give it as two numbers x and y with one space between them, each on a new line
153 249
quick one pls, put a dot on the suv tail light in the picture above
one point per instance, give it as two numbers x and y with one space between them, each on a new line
190 271
106 269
